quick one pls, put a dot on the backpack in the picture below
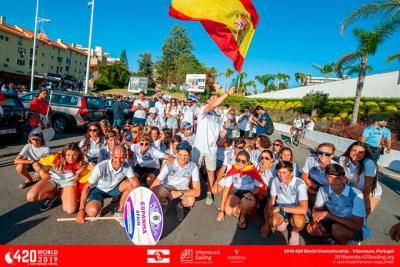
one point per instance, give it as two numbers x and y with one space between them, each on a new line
269 126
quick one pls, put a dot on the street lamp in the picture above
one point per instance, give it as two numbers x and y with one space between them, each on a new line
34 42
90 5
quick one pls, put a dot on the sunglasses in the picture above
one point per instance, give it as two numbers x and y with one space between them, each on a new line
135 132
239 147
144 144
93 130
327 154
184 147
243 161
266 158
276 144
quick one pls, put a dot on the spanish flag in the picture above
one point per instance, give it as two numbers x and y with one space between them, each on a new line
230 23
251 171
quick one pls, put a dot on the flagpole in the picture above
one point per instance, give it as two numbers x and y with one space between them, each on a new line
237 82
34 47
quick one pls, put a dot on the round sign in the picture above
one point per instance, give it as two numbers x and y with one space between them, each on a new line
143 217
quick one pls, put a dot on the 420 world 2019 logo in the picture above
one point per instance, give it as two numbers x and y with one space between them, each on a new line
32 256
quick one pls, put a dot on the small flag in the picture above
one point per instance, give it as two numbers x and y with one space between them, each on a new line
193 97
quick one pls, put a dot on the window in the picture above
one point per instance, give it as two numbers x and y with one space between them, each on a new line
60 69
12 102
30 62
67 68
42 65
21 52
51 67
7 59
42 54
65 100
59 60
19 40
20 62
28 97
52 57
1 37
6 38
31 52
94 103
68 61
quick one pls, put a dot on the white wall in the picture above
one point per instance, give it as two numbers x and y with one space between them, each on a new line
391 160
377 85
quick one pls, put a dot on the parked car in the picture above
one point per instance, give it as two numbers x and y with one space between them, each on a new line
13 116
71 109
109 112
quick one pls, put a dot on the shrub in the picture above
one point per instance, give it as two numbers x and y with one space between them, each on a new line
249 103
391 108
343 115
371 104
344 129
324 119
329 115
335 119
349 102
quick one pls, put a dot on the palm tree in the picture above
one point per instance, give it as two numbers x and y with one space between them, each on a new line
228 73
248 84
353 69
265 79
387 12
368 43
301 78
282 77
326 69
393 57
242 75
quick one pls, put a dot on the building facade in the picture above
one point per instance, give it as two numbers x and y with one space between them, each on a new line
54 60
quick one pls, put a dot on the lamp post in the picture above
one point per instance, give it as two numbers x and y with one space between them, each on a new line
35 42
90 4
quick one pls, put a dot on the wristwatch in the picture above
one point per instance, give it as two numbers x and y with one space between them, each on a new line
281 208
182 193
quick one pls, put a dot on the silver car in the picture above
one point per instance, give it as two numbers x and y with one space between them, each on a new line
70 109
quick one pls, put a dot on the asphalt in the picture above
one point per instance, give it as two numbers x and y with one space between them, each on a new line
23 223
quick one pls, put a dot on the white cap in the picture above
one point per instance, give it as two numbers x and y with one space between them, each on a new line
152 110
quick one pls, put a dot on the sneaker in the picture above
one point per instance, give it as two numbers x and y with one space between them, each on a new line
119 217
294 239
331 241
180 212
354 243
282 226
209 199
47 203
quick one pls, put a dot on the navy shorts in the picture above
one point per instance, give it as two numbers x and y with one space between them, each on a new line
100 195
327 224
286 216
140 171
240 193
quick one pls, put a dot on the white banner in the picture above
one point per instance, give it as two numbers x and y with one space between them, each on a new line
195 82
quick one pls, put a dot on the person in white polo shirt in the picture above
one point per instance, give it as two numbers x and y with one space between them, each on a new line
140 107
178 180
339 211
186 133
109 178
209 122
154 120
288 203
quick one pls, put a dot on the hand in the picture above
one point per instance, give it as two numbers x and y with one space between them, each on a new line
170 160
265 229
249 196
387 150
44 175
36 175
80 218
231 91
367 203
214 189
320 215
395 232
175 194
221 216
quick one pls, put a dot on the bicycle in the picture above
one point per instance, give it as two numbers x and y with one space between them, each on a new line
295 138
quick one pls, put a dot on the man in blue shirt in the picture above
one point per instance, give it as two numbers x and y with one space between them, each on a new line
261 121
373 134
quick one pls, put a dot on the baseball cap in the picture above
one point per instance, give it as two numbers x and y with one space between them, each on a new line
186 125
35 134
152 110
128 137
377 118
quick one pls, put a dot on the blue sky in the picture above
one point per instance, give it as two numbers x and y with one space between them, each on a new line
291 35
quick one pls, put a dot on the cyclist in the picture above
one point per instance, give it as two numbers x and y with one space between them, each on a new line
298 125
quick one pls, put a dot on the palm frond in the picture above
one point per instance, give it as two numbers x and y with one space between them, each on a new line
393 57
383 9
344 61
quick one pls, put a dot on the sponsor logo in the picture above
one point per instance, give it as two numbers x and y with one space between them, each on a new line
158 256
43 257
187 255
237 257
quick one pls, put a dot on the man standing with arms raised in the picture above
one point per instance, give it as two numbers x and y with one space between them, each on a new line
209 123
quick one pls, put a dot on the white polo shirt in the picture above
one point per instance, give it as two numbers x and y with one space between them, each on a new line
208 127
161 107
188 114
140 113
189 139
105 178
30 152
150 159
157 122
178 177
291 194
244 182
312 168
267 176
94 147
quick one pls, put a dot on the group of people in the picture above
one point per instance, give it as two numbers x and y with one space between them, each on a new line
169 147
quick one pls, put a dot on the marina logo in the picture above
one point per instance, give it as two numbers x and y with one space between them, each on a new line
187 255
158 256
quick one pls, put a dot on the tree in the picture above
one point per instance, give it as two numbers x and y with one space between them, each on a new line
285 78
211 78
301 78
228 73
355 69
177 47
186 64
124 59
393 57
242 75
271 87
247 85
146 66
368 43
326 69
388 12
264 80
114 75
314 101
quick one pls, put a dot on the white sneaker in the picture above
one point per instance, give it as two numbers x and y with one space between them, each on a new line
209 199
294 239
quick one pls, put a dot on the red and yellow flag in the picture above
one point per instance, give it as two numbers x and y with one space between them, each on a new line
230 23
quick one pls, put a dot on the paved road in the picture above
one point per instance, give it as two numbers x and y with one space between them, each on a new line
23 223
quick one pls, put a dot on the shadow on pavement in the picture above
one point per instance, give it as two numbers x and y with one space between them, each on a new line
391 183
13 223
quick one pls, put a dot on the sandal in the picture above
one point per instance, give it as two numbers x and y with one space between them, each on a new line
242 225
25 184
